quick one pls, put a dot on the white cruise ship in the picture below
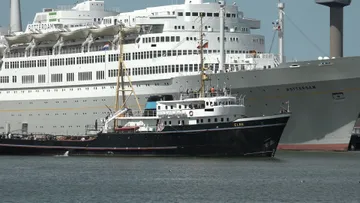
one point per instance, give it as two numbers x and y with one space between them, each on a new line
60 74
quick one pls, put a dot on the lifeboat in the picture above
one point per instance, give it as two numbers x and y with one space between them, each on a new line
49 36
76 34
127 128
22 38
105 31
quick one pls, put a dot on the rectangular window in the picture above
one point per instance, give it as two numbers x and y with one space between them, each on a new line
56 77
28 79
41 78
100 75
180 13
70 77
83 76
4 79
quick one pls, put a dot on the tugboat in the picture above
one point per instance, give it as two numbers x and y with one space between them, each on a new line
213 124
201 123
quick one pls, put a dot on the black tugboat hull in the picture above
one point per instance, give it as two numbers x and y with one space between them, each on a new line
252 137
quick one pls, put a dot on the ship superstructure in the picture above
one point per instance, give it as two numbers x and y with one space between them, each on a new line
60 73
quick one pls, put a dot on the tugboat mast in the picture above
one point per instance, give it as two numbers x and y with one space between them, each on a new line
202 75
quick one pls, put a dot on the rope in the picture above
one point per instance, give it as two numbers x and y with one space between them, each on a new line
272 41
313 43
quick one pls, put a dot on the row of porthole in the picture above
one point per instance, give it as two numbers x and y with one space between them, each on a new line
64 114
78 126
72 89
57 102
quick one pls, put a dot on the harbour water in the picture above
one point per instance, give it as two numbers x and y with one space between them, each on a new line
290 177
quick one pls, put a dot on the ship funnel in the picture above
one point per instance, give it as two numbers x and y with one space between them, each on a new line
336 24
15 16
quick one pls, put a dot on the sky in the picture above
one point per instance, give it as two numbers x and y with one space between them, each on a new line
306 23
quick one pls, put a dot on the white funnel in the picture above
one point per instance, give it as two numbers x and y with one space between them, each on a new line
15 16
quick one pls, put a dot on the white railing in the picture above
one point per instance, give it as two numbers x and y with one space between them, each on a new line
171 113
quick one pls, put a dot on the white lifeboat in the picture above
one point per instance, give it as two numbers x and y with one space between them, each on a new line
131 30
49 36
19 39
76 34
105 31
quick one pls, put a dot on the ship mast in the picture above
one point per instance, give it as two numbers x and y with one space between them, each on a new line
281 7
202 75
120 77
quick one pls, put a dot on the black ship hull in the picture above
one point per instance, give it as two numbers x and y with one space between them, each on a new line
245 137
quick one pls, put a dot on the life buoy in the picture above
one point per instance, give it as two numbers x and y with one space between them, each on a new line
191 113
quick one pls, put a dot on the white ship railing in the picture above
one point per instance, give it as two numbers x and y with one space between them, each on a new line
171 113
70 7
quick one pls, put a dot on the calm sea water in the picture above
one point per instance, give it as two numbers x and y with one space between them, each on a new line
291 177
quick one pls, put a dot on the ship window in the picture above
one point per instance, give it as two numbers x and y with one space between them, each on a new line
209 120
162 39
178 38
227 119
158 107
195 14
165 123
228 15
202 120
167 39
209 14
171 107
187 13
157 39
222 119
169 122
173 38
215 120
216 14
180 13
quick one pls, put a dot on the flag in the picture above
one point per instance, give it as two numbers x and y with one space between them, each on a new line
106 47
206 45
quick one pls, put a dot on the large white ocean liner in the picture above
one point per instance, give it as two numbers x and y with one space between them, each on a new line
59 75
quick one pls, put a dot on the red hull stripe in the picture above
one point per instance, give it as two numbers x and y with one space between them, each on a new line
317 147
90 148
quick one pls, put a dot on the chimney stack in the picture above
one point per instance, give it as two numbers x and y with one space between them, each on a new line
336 24
15 16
